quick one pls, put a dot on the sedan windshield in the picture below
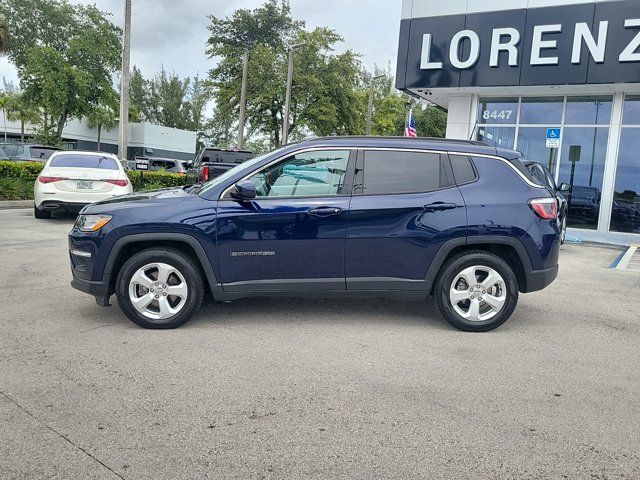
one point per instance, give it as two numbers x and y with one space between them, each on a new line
85 161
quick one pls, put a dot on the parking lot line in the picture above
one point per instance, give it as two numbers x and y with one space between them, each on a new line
626 258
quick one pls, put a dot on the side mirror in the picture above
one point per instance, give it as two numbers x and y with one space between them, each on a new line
188 165
244 190
564 187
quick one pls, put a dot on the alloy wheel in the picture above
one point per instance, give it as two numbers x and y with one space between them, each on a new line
478 293
158 291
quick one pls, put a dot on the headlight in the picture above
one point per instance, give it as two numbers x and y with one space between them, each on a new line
91 223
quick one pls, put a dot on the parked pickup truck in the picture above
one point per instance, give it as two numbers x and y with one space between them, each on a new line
212 162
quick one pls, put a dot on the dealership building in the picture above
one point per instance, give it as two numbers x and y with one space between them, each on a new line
558 80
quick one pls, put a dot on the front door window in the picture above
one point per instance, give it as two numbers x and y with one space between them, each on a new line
308 174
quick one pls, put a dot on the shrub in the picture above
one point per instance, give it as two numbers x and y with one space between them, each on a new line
16 188
25 170
18 178
141 180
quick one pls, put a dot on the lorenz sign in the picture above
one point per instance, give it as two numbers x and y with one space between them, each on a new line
576 44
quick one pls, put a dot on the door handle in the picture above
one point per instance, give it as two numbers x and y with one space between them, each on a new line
325 211
439 206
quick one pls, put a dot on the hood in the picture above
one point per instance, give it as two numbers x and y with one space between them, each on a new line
138 199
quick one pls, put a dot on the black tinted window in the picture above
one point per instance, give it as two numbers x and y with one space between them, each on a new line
85 161
385 172
462 169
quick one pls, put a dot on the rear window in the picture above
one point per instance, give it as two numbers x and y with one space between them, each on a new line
85 161
40 153
217 156
390 172
525 171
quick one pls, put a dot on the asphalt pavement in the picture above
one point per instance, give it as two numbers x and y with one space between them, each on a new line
323 389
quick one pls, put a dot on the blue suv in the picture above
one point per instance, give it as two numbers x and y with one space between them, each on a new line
459 220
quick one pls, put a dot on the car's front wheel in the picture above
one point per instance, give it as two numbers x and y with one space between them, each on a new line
159 288
476 291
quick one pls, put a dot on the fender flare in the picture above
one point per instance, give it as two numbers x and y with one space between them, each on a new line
190 240
447 247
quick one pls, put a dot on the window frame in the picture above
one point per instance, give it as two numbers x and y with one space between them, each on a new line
347 185
444 164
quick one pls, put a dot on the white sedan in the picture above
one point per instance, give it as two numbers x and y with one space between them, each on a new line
73 179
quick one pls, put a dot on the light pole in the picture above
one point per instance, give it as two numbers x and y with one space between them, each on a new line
124 84
287 101
243 99
370 108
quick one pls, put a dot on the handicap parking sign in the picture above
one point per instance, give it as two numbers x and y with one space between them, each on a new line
553 138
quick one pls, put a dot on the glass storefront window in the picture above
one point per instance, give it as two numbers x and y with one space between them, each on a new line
588 110
631 114
498 111
503 137
584 150
625 212
541 110
532 142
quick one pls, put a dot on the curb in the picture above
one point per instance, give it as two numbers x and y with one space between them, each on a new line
6 205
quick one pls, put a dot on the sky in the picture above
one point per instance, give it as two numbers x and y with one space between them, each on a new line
173 32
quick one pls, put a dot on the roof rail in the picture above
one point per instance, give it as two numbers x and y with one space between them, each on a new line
428 139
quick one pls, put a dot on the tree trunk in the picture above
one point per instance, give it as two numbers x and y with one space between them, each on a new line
61 123
99 132
22 130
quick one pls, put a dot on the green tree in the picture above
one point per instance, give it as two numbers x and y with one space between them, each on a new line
19 109
167 94
139 93
65 55
5 37
102 116
324 98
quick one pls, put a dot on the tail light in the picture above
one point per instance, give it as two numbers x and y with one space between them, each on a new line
545 208
205 173
43 179
117 183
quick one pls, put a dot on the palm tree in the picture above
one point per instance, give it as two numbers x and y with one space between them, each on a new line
102 117
19 110
5 37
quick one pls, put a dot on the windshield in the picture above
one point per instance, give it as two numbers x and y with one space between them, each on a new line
235 170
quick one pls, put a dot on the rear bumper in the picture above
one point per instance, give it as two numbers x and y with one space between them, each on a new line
54 205
539 279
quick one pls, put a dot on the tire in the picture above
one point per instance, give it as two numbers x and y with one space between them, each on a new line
475 264
184 279
563 230
41 214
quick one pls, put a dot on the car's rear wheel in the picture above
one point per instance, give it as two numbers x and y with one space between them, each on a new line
159 288
40 214
476 291
563 230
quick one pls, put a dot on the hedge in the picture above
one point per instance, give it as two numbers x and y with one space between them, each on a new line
17 178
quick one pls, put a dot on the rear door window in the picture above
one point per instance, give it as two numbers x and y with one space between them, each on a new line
85 161
385 172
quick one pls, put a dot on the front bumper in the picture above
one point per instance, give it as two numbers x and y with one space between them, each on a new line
99 289
539 279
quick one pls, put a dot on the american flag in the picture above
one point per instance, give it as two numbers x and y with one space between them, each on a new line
410 126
